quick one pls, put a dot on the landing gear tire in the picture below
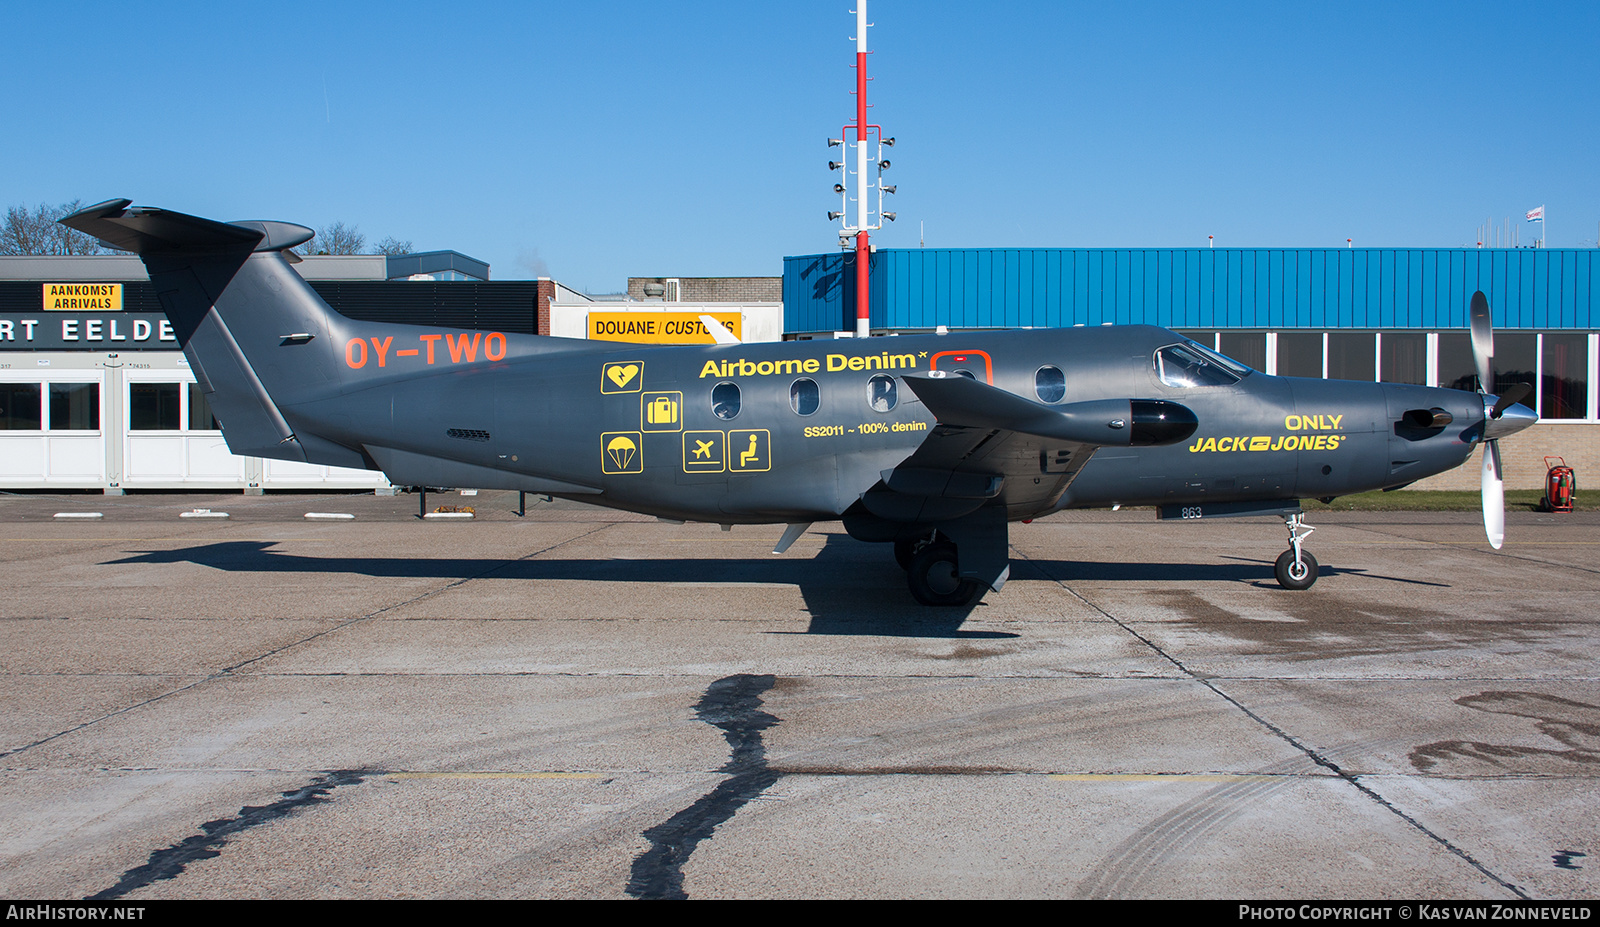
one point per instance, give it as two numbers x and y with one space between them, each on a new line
935 578
1292 575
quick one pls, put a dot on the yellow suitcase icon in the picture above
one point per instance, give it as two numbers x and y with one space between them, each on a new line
661 411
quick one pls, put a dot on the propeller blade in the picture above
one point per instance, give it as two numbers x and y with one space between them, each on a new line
1482 341
1494 495
1515 394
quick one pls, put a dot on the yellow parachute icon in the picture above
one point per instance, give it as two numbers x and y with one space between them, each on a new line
621 450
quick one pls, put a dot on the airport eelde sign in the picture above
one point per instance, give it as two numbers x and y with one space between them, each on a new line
660 327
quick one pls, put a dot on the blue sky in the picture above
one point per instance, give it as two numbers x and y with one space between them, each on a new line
593 141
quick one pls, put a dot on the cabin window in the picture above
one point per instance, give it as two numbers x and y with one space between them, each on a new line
1189 364
804 397
883 393
1050 384
725 400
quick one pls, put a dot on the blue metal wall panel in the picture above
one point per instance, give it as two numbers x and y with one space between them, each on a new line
1054 289
1391 265
1577 294
1197 288
1199 280
1150 288
1410 312
1564 289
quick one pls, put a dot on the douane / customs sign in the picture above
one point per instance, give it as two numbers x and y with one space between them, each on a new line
652 327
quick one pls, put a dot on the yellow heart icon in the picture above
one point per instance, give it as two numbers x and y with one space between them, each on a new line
622 374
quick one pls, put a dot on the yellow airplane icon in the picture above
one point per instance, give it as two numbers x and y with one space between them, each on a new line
703 448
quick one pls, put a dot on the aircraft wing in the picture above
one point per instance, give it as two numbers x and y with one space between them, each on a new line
991 447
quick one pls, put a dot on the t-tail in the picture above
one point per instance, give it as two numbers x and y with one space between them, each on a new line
226 287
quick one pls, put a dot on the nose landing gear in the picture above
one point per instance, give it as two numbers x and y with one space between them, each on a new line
1296 568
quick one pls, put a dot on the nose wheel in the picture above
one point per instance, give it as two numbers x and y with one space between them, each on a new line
1296 568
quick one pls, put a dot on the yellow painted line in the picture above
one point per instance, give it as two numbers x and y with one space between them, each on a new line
1160 777
494 775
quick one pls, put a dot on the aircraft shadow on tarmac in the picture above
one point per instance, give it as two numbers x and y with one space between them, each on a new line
1239 570
845 592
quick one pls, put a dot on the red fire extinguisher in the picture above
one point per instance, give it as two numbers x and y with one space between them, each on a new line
1560 485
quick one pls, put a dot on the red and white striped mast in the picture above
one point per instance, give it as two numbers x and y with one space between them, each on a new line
864 182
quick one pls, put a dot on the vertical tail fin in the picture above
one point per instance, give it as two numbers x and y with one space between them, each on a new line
226 287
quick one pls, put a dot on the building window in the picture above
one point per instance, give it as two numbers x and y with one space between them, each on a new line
1457 369
19 407
1565 376
1516 359
1300 354
1352 356
200 417
74 407
1405 358
1248 348
154 407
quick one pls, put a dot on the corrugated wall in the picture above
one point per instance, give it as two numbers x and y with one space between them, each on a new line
1278 288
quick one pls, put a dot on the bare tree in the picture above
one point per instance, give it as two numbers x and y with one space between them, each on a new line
337 238
36 231
394 247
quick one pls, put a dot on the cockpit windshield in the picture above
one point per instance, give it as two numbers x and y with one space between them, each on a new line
1189 364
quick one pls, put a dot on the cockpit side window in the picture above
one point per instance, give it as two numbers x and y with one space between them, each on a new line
1189 364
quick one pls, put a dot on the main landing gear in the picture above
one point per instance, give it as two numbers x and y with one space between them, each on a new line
933 572
1296 568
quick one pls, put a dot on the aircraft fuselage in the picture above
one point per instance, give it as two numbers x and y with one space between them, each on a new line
655 429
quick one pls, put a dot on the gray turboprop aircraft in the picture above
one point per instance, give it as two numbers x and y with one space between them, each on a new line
934 443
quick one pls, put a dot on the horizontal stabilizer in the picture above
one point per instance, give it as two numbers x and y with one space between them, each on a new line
146 230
